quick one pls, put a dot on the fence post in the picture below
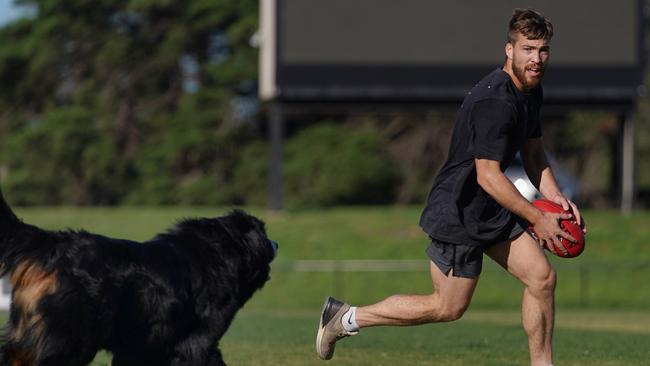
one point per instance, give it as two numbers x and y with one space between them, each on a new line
338 282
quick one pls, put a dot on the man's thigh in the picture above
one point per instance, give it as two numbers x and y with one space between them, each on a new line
523 257
455 292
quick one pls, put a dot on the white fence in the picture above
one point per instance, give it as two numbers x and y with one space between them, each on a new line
5 294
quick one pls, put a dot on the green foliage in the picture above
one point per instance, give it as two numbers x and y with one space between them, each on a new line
93 108
585 143
62 157
329 164
250 176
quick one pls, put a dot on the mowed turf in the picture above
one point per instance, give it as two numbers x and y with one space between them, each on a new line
602 296
480 338
341 233
611 273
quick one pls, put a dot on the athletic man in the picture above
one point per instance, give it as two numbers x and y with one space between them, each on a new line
474 209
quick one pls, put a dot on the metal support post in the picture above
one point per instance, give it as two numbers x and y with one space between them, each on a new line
276 134
627 163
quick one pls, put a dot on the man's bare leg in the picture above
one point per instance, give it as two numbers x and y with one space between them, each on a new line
525 260
448 302
450 298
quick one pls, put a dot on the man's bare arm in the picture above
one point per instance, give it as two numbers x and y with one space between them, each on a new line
540 173
496 184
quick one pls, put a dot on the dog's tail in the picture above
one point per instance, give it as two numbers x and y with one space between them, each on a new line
12 251
7 216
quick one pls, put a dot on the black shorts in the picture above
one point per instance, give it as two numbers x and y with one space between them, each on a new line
465 260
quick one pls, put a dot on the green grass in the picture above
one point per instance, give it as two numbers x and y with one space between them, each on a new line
602 296
611 273
342 233
481 337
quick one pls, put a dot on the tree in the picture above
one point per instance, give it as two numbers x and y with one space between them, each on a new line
111 100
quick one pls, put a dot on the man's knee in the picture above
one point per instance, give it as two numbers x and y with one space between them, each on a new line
453 313
543 283
448 312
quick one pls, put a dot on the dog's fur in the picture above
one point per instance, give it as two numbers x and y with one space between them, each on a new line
167 301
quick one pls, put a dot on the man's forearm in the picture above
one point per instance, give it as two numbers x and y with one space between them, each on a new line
497 185
539 170
548 186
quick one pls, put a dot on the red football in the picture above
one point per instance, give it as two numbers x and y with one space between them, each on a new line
569 226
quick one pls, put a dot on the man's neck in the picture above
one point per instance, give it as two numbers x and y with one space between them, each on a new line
507 67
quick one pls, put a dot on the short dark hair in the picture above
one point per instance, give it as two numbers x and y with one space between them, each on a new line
530 24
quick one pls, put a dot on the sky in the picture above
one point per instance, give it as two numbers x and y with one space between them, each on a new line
8 12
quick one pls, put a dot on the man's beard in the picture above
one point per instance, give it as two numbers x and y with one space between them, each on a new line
530 83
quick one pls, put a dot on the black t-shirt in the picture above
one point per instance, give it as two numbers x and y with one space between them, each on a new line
493 123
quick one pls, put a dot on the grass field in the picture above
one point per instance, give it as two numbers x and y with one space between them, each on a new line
482 337
603 296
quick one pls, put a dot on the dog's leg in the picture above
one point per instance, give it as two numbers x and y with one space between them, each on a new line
199 347
68 360
215 359
124 360
12 355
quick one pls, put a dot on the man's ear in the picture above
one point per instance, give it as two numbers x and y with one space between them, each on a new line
509 50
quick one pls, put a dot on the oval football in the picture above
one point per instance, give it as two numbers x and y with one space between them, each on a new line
548 206
569 226
573 249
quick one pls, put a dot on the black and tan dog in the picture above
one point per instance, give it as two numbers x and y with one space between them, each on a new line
166 301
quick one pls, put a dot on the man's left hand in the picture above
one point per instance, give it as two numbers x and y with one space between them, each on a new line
567 204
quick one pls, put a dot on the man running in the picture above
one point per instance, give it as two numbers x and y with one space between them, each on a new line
473 208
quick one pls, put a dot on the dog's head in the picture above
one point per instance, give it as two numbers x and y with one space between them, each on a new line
236 243
255 248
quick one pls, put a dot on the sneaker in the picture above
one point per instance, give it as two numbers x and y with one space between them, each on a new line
330 328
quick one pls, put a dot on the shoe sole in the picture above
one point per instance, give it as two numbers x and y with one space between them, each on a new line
321 329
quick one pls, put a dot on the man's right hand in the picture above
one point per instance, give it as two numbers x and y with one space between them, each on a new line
549 233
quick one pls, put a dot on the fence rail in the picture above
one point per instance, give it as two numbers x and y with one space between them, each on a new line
584 271
589 277
417 265
357 265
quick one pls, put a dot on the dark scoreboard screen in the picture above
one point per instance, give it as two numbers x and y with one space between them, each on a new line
425 50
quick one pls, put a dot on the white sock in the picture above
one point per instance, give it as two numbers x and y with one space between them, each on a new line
349 320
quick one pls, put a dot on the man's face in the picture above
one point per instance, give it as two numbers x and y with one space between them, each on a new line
529 58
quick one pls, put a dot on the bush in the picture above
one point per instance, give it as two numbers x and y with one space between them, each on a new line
250 178
330 164
64 157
